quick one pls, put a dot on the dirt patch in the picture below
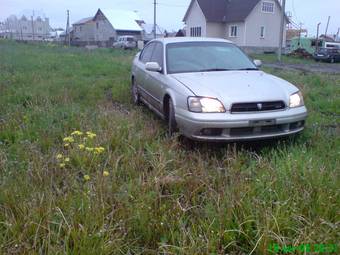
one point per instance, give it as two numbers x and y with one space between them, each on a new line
111 104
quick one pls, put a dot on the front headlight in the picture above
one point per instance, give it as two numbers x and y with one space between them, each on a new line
205 104
296 100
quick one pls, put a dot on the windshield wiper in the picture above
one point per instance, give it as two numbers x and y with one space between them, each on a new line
247 69
214 70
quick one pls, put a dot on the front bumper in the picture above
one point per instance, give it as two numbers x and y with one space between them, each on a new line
240 127
322 58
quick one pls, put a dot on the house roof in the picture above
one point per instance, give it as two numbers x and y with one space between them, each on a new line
122 20
83 21
225 10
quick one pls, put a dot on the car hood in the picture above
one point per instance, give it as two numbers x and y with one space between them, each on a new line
237 86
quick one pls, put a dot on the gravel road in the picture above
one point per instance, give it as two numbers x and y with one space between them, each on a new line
317 67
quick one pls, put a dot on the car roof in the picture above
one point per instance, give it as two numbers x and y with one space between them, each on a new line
169 40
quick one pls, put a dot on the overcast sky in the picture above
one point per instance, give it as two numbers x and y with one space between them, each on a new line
170 12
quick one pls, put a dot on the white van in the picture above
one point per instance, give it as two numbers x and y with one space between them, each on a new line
125 42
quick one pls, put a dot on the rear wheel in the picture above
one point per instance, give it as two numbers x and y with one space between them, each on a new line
172 124
135 93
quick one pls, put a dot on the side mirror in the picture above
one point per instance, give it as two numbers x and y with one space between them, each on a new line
153 67
258 62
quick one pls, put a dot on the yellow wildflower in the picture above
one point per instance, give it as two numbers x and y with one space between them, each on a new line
87 177
81 146
106 173
66 145
62 165
89 149
78 133
59 156
67 160
99 150
90 135
68 139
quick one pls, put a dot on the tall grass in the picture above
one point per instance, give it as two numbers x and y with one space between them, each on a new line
162 195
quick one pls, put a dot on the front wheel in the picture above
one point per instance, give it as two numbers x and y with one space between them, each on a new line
172 124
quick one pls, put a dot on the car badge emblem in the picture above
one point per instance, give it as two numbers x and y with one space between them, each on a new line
259 106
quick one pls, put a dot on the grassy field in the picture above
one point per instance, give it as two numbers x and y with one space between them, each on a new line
126 188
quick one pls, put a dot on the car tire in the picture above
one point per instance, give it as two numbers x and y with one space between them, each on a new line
172 124
135 93
332 60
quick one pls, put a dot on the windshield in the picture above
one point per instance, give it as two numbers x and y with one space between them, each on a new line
187 57
323 50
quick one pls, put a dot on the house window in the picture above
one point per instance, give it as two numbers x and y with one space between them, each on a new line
196 31
233 31
97 24
268 7
80 28
262 32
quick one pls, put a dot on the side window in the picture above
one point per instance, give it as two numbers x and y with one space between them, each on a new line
147 53
157 55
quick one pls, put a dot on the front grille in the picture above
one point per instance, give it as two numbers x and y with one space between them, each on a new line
257 107
266 130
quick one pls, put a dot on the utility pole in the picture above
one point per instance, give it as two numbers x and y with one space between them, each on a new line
337 34
21 37
317 37
67 33
282 27
329 17
32 25
154 19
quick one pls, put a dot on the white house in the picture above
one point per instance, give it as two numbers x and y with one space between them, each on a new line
26 29
104 27
251 24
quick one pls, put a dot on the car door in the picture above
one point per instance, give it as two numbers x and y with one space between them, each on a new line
141 74
156 79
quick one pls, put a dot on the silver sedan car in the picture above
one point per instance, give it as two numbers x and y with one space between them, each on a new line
209 90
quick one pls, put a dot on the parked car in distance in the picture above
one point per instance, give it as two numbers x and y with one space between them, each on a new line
331 55
125 42
209 90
